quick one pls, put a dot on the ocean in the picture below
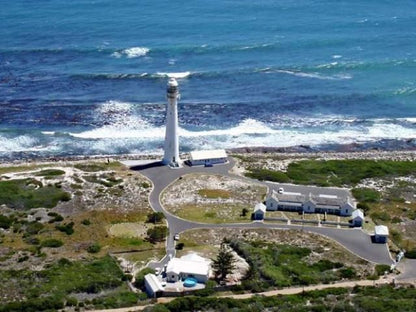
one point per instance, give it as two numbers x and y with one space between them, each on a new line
88 77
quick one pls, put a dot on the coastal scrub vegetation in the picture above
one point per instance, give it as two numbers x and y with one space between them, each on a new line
60 282
334 172
280 265
30 193
380 299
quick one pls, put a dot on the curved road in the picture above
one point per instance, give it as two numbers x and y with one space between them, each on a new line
161 176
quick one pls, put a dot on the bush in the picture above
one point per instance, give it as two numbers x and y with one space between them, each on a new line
347 273
157 234
66 228
179 246
139 281
52 243
55 217
411 254
155 217
367 195
86 222
381 268
382 216
267 175
5 222
94 248
34 227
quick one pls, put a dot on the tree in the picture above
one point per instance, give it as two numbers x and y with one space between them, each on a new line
155 217
157 234
244 212
223 264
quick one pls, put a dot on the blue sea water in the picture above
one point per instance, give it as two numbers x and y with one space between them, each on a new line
87 77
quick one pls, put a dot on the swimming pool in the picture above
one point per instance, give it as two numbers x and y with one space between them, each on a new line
190 282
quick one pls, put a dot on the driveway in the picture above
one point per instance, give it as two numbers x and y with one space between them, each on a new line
161 176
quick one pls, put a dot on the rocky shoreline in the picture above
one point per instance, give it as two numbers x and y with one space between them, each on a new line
394 151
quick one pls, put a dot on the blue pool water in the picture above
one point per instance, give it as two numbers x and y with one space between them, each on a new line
190 282
88 77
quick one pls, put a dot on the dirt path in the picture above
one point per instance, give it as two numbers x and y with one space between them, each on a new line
285 291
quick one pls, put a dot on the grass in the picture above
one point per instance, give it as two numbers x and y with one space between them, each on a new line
335 172
30 193
50 173
141 258
213 213
98 166
214 193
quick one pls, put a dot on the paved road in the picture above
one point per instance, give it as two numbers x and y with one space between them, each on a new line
354 240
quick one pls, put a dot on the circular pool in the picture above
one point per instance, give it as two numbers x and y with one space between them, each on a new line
190 282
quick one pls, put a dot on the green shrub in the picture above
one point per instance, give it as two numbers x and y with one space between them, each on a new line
381 216
34 227
30 193
52 243
5 222
367 195
94 248
157 234
381 268
411 254
267 175
66 228
155 217
139 281
347 273
86 222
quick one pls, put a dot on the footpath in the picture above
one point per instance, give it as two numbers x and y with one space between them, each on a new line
285 291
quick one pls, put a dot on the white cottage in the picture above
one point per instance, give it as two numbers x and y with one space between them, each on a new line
208 157
357 219
381 234
190 265
310 204
259 211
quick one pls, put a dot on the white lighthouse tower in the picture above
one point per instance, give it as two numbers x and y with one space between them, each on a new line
171 157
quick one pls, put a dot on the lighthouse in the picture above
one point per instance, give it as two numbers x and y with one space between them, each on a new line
171 156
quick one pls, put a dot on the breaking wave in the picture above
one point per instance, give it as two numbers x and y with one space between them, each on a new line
131 52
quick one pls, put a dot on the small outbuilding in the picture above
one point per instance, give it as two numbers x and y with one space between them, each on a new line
357 219
381 234
259 211
153 285
207 157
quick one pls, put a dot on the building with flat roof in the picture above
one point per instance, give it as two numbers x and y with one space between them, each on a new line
153 285
381 234
259 211
207 157
357 218
190 265
310 203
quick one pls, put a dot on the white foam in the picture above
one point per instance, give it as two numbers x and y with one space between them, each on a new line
315 75
336 56
131 52
179 75
20 143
